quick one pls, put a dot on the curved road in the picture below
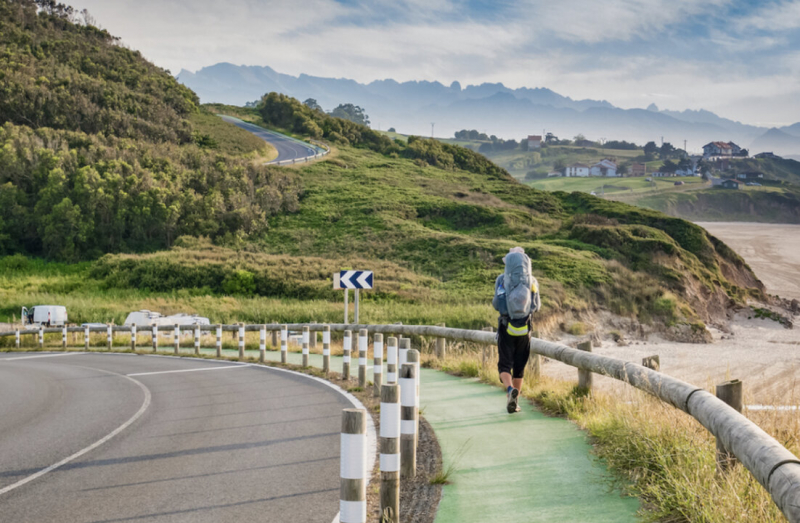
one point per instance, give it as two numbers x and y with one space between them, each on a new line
226 443
288 148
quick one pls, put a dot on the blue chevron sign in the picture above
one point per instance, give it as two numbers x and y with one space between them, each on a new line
352 280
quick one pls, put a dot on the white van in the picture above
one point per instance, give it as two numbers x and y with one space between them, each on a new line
47 315
145 317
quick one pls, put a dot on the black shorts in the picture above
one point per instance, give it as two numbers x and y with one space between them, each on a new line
513 351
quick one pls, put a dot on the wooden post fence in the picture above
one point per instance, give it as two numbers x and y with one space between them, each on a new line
176 338
390 453
584 376
274 334
86 337
16 338
262 344
241 341
109 336
64 337
326 349
41 336
402 353
196 339
312 339
353 467
441 345
346 345
284 343
306 341
391 359
377 368
154 337
731 393
408 421
413 359
363 345
219 341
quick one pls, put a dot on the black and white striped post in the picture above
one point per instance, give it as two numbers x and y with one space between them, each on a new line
63 336
197 339
363 345
86 337
109 336
41 336
390 453
402 353
353 467
408 421
154 336
176 339
391 360
306 341
346 345
413 359
133 337
262 344
284 343
377 368
219 341
326 349
241 341
16 338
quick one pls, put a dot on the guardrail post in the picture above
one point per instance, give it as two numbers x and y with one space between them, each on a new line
312 339
86 337
241 341
391 359
16 338
306 340
154 336
377 369
326 349
346 345
133 337
441 345
363 346
41 337
274 340
262 344
652 362
408 421
584 376
413 358
284 343
353 467
402 353
63 336
197 339
390 453
219 341
109 336
176 339
731 393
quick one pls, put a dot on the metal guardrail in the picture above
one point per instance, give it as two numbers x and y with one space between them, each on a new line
773 466
305 159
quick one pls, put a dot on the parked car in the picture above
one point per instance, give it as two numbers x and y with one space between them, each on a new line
753 184
678 183
47 315
145 317
648 179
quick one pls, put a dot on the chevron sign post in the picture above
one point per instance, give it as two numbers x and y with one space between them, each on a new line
352 280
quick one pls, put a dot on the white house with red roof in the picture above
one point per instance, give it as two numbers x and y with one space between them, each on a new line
534 141
580 170
720 149
604 168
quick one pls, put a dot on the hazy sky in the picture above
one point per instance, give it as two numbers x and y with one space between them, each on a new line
740 59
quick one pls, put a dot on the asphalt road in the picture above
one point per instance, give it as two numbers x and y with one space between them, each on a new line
288 148
237 443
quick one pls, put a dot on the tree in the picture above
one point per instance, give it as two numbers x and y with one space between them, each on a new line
392 130
550 138
579 138
650 149
351 112
311 103
559 165
622 170
669 166
666 150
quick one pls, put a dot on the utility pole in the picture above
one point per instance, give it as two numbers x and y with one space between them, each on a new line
432 124
684 148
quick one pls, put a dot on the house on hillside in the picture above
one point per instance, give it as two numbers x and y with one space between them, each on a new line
750 176
577 170
604 168
768 155
721 149
534 141
729 184
638 169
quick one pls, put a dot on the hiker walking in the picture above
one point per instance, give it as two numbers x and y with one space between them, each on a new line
516 298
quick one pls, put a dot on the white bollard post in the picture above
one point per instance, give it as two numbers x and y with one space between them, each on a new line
402 353
326 349
391 360
219 341
262 344
353 467
64 337
241 341
16 338
177 339
41 336
284 343
196 339
133 337
154 336
408 421
390 452
377 361
363 346
346 346
306 341
86 337
413 359
109 337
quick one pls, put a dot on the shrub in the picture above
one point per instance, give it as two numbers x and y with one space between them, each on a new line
239 283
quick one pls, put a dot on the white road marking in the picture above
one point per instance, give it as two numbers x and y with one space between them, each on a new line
189 370
41 356
145 404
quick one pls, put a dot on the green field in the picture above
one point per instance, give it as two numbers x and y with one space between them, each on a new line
618 186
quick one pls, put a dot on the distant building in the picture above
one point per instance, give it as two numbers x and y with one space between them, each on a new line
534 141
768 155
729 184
554 174
715 181
723 149
577 170
638 169
749 176
604 168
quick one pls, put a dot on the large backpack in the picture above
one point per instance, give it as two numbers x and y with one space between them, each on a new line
518 282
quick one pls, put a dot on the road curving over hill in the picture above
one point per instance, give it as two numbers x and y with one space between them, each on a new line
289 149
104 437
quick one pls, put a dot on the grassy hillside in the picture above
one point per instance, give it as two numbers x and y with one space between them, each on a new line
618 186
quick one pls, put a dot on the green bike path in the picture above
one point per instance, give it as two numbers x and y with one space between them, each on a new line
524 467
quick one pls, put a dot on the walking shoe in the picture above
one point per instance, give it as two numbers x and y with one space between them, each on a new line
512 401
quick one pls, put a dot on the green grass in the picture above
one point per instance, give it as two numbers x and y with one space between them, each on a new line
618 186
227 138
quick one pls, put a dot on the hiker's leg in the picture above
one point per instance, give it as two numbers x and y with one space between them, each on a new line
505 378
522 351
516 383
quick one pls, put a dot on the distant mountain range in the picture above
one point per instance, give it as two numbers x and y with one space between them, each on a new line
411 108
